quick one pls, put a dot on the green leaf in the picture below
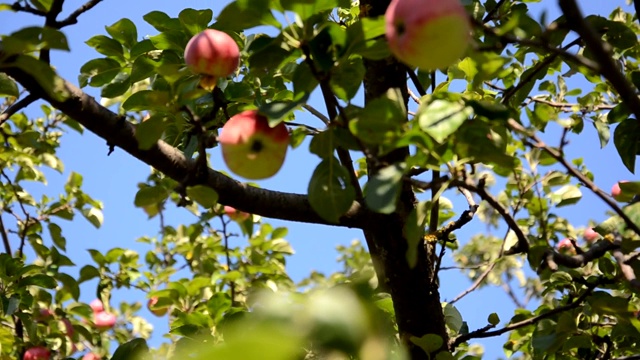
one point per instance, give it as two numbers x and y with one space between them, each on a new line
429 343
327 46
124 31
8 87
277 110
70 285
170 40
323 144
195 20
147 100
41 280
244 14
330 191
42 5
414 231
442 118
118 87
106 46
626 137
566 195
150 131
307 8
50 82
150 195
493 319
452 317
366 38
98 72
380 121
136 349
346 78
87 273
161 21
56 235
604 303
383 188
94 216
203 195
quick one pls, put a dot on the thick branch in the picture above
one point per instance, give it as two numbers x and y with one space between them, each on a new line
169 160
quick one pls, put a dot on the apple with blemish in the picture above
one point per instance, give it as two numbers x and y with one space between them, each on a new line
37 353
429 34
252 148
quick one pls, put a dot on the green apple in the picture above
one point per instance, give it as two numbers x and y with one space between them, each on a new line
429 34
251 148
157 311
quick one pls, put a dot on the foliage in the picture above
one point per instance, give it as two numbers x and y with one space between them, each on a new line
483 127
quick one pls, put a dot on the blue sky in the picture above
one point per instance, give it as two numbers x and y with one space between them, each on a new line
113 179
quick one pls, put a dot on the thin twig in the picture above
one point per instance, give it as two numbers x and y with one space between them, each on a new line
316 113
73 17
17 106
482 333
602 54
5 237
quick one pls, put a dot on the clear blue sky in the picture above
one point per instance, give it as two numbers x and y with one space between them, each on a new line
113 179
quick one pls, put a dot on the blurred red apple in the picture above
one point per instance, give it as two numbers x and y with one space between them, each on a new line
44 315
68 327
97 306
236 215
591 235
91 356
156 311
37 353
429 34
104 320
212 52
620 195
251 148
565 246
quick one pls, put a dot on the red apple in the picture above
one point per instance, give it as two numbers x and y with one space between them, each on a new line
91 356
251 148
620 195
104 320
68 327
212 52
429 34
565 246
37 353
236 215
44 315
97 306
156 311
591 235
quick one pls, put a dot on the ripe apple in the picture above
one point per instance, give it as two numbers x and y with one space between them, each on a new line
565 246
236 215
37 353
156 311
620 195
91 356
68 327
591 235
212 53
44 315
104 320
429 34
251 148
97 306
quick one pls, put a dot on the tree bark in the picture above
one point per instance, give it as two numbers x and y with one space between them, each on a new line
414 291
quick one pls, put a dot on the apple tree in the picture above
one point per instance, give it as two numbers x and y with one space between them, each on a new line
437 100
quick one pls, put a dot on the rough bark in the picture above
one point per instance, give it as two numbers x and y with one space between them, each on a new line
414 291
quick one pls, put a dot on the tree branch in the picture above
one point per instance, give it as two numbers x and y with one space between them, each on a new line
602 53
172 162
482 333
17 106
73 17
